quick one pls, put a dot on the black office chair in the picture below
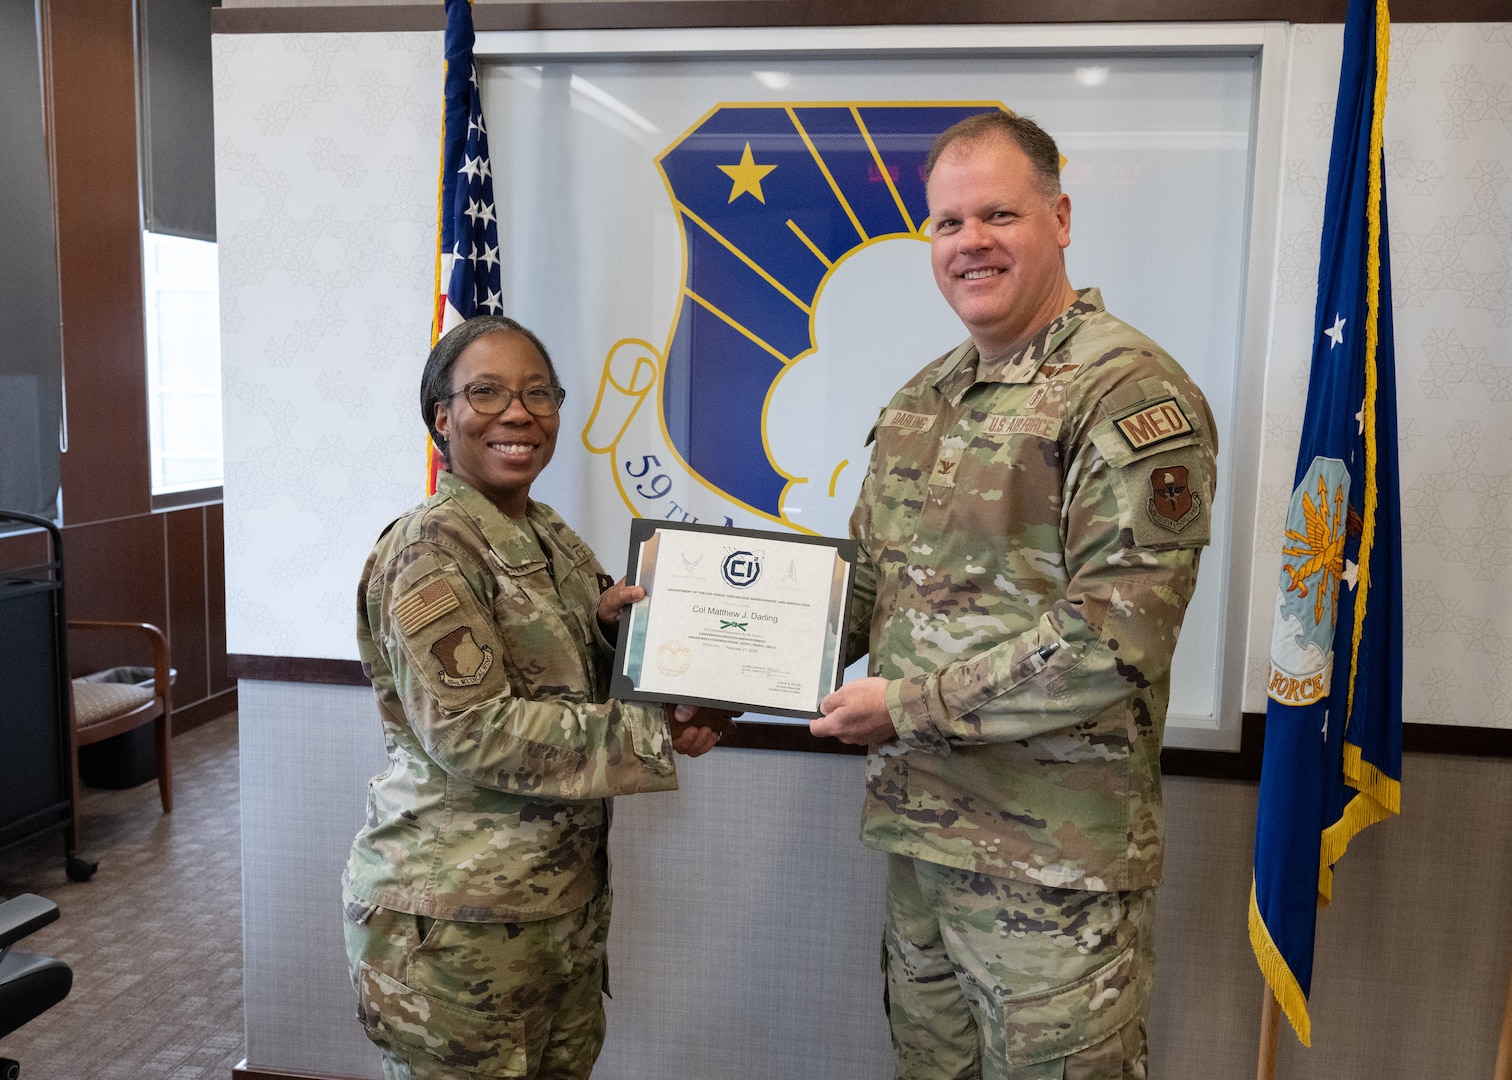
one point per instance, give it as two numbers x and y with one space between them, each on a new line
29 984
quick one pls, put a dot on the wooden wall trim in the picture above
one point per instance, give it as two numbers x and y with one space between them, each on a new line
204 711
242 1071
667 14
1213 764
296 669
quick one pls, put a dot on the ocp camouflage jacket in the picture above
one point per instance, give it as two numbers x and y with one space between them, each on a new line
1030 531
491 676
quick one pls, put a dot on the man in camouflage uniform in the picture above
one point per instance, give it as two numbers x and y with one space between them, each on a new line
1029 532
477 891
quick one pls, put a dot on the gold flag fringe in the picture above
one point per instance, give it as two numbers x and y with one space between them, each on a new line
1278 974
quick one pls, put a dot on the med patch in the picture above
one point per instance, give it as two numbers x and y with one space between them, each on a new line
1153 423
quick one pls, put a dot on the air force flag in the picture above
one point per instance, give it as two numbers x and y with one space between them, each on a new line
1333 724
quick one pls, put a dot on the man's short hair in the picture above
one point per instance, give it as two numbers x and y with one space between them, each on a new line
436 381
1023 132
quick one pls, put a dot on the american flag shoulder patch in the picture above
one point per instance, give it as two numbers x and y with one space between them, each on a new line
425 605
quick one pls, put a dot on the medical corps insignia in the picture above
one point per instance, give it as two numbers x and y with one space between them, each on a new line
463 661
1173 504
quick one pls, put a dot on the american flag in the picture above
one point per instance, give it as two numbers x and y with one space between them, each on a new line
468 280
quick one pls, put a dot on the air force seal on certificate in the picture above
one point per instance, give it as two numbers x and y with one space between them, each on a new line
673 658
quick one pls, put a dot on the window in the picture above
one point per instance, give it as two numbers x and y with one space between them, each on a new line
181 289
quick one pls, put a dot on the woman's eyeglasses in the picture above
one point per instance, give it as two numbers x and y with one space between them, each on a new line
487 399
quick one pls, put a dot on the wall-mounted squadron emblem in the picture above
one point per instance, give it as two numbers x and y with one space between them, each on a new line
771 200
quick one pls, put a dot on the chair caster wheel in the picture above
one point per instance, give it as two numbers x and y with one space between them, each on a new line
78 870
9 1069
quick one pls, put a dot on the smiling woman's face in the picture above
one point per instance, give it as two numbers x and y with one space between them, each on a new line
499 456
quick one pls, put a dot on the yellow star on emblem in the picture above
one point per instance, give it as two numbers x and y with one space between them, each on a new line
747 176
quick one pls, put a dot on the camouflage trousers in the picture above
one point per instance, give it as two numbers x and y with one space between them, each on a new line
999 979
451 1000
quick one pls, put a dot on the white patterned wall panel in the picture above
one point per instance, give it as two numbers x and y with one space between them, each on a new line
1448 154
325 178
325 171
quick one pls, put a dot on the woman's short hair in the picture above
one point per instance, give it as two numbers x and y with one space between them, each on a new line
1036 143
436 381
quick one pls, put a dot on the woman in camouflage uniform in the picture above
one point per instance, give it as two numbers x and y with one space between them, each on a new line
477 892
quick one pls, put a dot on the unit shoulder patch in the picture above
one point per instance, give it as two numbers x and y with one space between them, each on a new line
1172 504
463 661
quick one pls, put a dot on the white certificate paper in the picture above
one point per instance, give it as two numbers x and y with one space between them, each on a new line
734 618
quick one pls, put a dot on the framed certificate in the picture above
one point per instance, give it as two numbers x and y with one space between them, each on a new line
734 618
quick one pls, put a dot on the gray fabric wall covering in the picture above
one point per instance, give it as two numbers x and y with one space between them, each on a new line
31 347
747 914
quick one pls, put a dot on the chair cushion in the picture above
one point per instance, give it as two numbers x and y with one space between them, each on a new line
95 702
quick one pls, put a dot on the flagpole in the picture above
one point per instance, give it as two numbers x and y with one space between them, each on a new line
1270 1024
1504 1046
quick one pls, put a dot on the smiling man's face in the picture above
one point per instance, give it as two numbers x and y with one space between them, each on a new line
997 242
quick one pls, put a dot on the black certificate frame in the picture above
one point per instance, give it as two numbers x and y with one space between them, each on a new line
644 530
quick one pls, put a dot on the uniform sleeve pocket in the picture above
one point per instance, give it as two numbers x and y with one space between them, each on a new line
1163 472
451 642
404 1020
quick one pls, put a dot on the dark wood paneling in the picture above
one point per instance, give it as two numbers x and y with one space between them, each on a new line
121 560
92 79
114 570
215 598
758 736
202 712
802 13
309 669
23 549
187 631
1453 739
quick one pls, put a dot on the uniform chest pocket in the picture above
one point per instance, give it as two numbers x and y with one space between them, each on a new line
1006 480
904 461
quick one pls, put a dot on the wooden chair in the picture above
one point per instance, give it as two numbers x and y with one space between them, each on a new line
101 710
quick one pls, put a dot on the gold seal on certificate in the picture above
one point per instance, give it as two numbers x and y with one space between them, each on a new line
734 618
